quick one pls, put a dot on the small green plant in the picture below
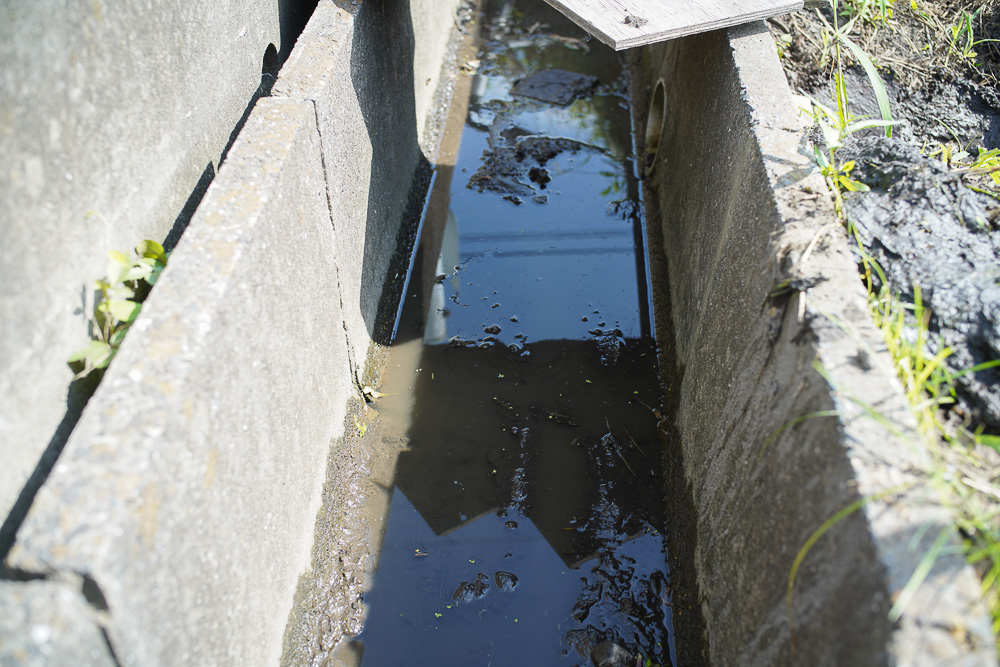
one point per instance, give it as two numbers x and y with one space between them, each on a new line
837 125
874 12
983 170
836 36
963 41
927 383
955 469
121 293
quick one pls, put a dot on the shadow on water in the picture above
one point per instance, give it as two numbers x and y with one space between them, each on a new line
526 521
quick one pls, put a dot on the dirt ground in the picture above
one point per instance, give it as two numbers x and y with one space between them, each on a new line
932 212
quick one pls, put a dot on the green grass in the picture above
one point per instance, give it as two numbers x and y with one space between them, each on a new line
960 458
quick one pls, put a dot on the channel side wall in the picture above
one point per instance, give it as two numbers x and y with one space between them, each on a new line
113 120
179 517
774 357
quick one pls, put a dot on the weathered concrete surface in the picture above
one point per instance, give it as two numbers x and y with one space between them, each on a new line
188 492
189 488
750 356
49 623
111 118
371 70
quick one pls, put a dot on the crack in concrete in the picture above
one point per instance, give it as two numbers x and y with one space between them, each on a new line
352 364
94 595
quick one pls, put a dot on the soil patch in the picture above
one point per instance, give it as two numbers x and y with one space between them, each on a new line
930 217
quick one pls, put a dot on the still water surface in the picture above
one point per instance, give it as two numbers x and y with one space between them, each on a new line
526 513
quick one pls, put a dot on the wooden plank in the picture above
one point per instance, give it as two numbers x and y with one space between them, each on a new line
623 24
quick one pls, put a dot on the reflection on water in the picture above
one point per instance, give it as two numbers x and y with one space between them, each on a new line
526 512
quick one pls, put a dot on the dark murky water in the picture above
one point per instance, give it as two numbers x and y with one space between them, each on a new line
526 515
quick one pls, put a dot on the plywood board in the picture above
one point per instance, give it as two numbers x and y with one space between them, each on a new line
622 24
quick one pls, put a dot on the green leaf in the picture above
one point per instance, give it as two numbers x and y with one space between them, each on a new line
95 354
867 124
122 310
139 271
851 185
841 90
154 275
992 441
881 95
820 158
118 336
89 351
920 573
118 265
831 136
120 291
152 250
823 109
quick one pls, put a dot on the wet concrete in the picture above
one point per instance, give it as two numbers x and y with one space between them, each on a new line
525 515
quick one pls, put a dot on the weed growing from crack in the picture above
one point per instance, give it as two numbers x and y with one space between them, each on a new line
121 293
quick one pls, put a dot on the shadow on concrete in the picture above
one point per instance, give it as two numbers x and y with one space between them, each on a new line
77 397
293 16
681 516
382 73
190 206
268 74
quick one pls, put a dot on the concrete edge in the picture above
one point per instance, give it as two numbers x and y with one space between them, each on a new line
211 404
189 491
947 617
766 290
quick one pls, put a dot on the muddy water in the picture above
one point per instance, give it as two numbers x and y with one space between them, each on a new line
525 520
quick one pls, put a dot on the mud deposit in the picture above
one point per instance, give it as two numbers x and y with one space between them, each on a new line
525 521
927 229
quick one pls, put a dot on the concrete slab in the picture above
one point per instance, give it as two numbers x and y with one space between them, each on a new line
769 382
49 623
189 489
188 492
110 118
371 71
623 24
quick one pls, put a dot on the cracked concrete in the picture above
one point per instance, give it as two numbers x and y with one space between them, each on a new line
189 489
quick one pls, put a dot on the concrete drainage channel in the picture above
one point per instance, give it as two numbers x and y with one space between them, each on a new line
178 525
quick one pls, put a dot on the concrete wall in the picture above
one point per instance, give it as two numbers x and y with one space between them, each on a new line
180 514
738 210
113 119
